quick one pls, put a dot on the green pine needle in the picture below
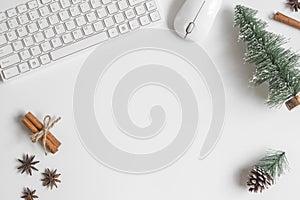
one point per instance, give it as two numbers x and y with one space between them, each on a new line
276 66
274 163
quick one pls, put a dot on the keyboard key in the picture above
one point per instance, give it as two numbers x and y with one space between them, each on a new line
43 23
85 7
17 45
145 20
45 1
151 5
64 15
23 19
91 17
65 3
67 38
109 22
123 28
113 32
76 1
56 42
53 19
22 31
140 10
98 26
102 13
70 25
134 24
88 30
119 18
135 2
106 1
44 11
28 41
11 12
34 63
74 11
39 37
112 8
46 46
9 61
25 55
130 14
95 3
79 45
80 21
60 29
155 16
13 23
77 34
33 15
23 67
45 59
3 27
122 4
32 4
32 28
49 33
2 17
54 7
35 50
11 36
11 72
6 50
2 40
22 8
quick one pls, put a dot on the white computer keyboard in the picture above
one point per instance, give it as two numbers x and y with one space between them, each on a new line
40 32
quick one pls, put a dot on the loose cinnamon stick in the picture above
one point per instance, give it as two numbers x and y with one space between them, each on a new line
287 20
49 144
34 125
39 126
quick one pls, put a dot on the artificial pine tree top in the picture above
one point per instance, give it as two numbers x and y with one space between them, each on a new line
276 66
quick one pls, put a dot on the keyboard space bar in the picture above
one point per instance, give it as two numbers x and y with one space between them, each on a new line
78 46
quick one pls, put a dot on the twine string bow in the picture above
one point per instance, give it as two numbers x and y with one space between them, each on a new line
47 125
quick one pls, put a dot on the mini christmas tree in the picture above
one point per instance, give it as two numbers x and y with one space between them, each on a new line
276 66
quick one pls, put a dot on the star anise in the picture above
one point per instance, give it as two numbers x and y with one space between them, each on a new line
295 4
50 178
27 164
29 194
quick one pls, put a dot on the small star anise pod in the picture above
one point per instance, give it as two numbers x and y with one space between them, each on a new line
27 164
295 4
50 178
29 194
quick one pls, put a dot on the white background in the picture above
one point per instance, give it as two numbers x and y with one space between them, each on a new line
251 128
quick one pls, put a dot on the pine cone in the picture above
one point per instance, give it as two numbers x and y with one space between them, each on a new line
259 180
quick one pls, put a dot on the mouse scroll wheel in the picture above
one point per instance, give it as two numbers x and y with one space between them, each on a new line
190 28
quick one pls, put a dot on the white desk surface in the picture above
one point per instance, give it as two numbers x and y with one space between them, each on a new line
250 129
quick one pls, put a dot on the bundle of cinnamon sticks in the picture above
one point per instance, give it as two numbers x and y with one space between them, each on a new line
34 125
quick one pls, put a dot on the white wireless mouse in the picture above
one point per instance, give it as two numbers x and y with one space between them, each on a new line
195 18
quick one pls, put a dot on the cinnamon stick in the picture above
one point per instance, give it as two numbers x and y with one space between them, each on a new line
29 125
286 20
34 125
